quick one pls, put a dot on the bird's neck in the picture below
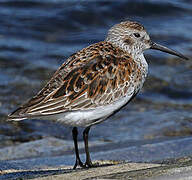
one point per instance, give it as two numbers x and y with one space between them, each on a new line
133 51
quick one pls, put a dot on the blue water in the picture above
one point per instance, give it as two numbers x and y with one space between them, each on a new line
36 36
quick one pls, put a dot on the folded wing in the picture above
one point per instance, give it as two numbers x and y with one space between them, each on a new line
90 78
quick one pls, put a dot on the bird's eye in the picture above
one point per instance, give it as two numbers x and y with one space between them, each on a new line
137 35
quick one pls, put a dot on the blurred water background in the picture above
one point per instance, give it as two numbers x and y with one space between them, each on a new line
36 37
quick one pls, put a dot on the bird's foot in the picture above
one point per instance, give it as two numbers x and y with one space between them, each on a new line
89 164
78 163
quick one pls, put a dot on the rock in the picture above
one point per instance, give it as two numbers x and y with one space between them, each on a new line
149 159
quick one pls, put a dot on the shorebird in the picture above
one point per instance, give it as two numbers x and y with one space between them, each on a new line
94 83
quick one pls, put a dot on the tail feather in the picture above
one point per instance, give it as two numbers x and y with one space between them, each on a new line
17 115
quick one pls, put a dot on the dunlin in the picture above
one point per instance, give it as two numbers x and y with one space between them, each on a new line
94 83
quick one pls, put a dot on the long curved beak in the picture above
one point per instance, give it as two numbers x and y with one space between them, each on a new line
167 50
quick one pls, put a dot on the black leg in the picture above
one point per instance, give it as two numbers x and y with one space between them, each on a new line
78 160
88 162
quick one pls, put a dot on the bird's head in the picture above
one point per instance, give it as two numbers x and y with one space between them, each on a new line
133 38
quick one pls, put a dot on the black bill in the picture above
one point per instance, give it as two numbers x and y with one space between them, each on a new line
167 50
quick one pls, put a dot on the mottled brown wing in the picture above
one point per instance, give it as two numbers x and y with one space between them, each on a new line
95 76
